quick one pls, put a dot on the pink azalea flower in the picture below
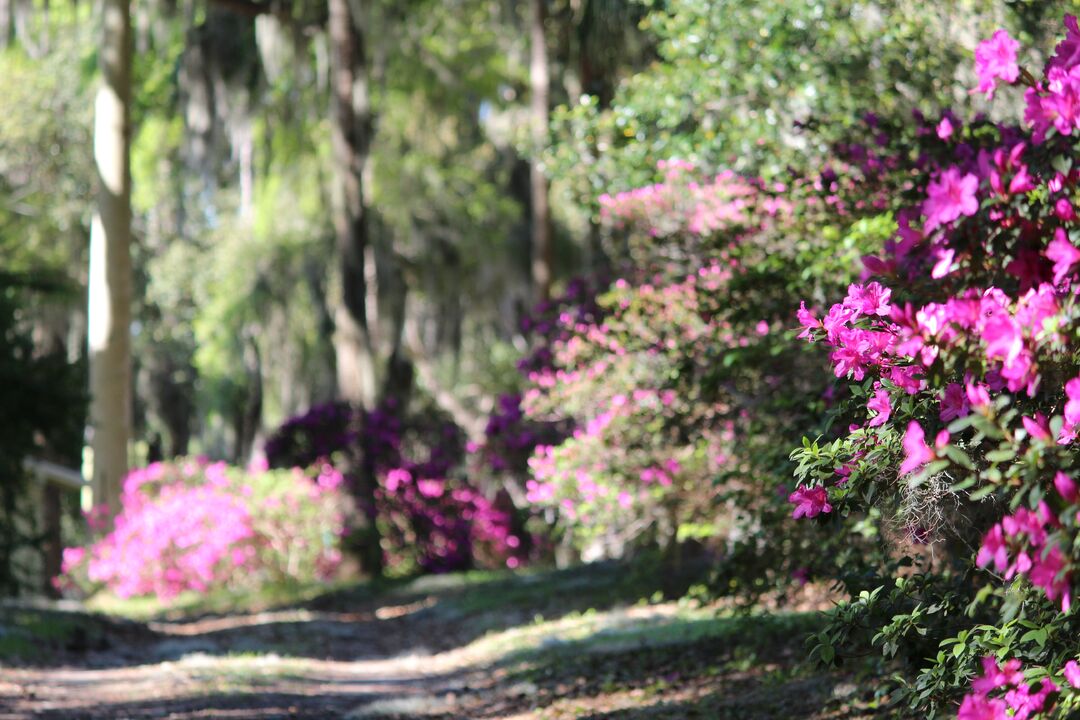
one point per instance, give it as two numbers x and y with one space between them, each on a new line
807 320
1061 106
396 478
906 377
1047 572
979 707
1025 703
949 196
1063 254
879 404
995 59
1066 487
941 440
916 452
993 549
1064 210
1072 673
809 502
943 257
1004 338
1038 428
954 404
430 488
977 394
1067 52
869 299
1072 405
995 676
71 557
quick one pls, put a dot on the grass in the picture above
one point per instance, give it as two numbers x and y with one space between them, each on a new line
247 672
33 634
474 592
192 604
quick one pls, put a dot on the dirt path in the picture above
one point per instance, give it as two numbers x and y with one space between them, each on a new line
298 663
542 648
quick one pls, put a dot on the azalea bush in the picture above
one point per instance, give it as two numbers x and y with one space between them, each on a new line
678 380
959 398
201 526
429 517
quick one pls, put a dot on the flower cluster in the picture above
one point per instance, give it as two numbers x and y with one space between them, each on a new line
680 203
438 524
624 473
676 378
959 347
430 518
1025 533
201 526
1001 692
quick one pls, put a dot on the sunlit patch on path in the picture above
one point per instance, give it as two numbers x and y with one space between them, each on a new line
518 647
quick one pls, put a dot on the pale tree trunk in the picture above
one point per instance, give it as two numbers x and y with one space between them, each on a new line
355 316
539 81
351 129
110 278
7 23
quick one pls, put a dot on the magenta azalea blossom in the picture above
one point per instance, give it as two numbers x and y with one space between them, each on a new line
1072 673
1063 254
977 394
954 403
1062 105
996 676
1047 572
1037 427
979 707
1064 210
807 320
1066 487
1004 338
950 196
943 257
995 59
879 404
993 550
1072 406
869 299
907 378
916 452
810 502
1067 52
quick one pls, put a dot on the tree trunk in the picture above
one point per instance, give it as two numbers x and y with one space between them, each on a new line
351 128
52 548
110 277
355 316
7 23
539 81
